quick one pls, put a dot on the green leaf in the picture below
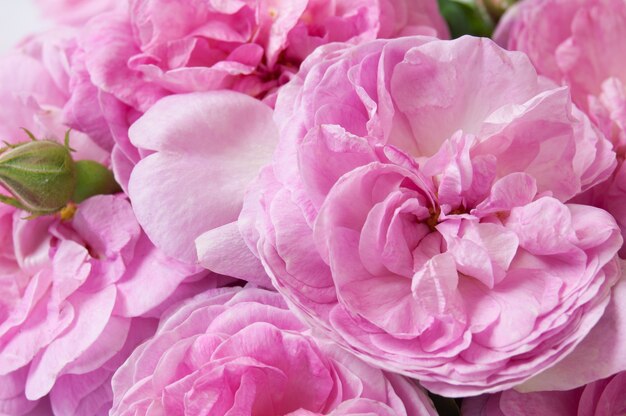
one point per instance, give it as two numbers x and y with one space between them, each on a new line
466 17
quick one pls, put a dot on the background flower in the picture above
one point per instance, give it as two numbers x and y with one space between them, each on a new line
70 295
600 398
35 87
414 211
240 351
248 46
580 44
75 296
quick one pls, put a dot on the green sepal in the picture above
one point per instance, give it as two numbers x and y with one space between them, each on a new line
30 135
11 201
92 178
66 140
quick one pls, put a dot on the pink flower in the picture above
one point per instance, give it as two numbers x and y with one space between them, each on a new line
159 47
580 43
241 352
247 46
415 212
75 297
36 85
70 296
605 397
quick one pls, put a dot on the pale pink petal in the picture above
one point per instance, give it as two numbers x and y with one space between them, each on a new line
224 251
209 147
92 315
599 355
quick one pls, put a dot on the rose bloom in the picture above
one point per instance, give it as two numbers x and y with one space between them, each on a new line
605 397
75 296
36 87
415 212
158 47
580 43
240 351
247 46
72 299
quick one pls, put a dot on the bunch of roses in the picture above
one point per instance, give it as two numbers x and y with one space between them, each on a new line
324 208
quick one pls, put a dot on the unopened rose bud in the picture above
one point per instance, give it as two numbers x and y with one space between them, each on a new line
40 175
43 178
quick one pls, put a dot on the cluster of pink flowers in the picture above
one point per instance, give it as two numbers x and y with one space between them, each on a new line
322 208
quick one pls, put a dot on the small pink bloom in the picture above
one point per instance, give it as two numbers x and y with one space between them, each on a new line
577 43
242 352
247 46
415 212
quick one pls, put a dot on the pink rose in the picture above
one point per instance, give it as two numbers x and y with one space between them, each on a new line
580 43
71 301
605 397
415 213
36 86
75 296
159 47
248 46
241 352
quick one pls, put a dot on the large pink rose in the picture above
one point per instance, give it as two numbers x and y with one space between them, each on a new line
580 43
242 352
415 211
605 397
159 47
